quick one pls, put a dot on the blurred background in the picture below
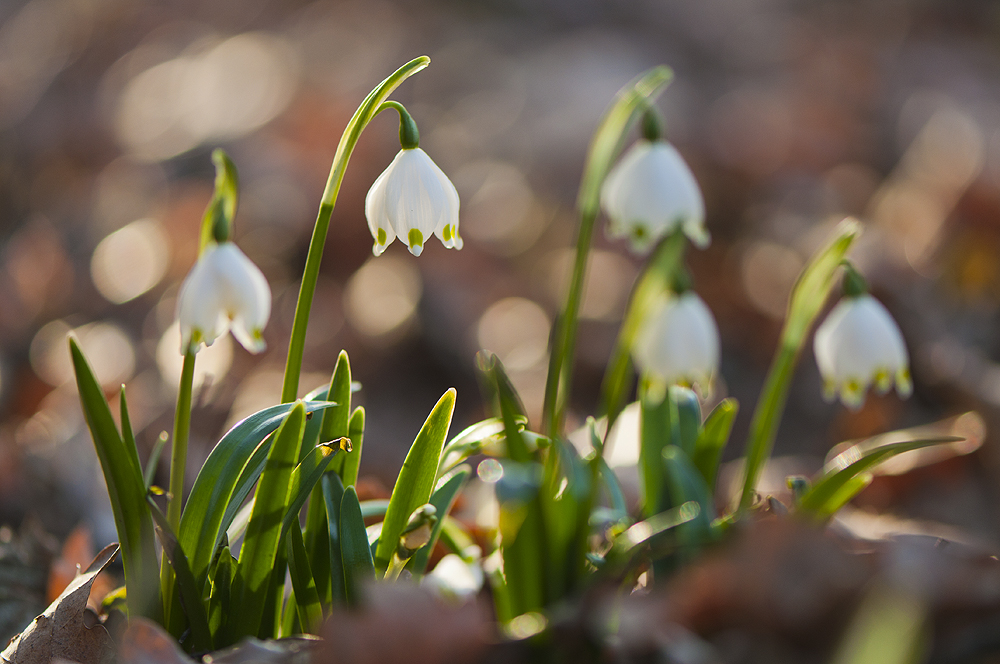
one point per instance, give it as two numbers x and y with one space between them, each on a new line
791 115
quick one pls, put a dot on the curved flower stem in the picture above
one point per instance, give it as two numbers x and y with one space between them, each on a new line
369 108
805 304
631 100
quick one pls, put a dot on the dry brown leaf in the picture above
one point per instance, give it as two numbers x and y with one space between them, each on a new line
145 642
67 629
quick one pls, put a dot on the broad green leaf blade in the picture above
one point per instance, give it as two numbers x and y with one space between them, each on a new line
194 608
655 433
224 482
615 492
626 545
851 463
304 479
713 438
655 279
219 603
522 536
684 484
333 495
628 104
259 552
352 460
416 478
335 419
687 423
442 499
359 568
128 438
127 492
844 495
154 459
303 584
371 509
807 300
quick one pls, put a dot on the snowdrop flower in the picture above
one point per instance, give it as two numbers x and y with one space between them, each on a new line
412 200
650 193
860 344
678 343
223 289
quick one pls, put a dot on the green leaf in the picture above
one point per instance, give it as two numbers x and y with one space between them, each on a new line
224 482
830 490
685 417
416 478
194 608
712 440
807 300
260 544
126 489
352 460
333 495
656 431
304 478
442 499
219 602
615 492
154 459
625 547
684 484
359 567
128 438
303 584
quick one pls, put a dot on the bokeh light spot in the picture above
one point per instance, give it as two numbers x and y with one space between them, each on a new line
382 295
130 261
517 331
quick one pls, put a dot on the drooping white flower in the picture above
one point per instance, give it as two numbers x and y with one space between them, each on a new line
224 289
678 343
412 200
651 192
859 344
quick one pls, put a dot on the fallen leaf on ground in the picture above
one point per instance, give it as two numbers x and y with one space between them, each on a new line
65 630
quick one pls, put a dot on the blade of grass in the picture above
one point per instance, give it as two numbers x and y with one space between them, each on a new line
416 478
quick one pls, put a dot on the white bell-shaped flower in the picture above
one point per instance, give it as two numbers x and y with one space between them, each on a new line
224 289
859 344
650 193
678 343
412 200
